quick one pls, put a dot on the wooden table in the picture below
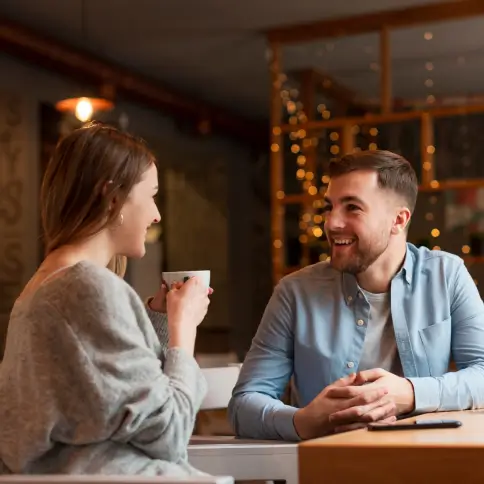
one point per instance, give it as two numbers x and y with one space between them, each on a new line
440 456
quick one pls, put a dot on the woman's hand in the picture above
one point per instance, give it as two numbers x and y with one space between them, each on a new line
158 301
186 306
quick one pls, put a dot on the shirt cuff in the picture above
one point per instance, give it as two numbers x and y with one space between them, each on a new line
427 394
284 423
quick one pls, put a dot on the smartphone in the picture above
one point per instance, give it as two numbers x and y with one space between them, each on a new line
418 424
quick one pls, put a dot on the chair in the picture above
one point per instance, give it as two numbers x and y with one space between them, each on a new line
244 459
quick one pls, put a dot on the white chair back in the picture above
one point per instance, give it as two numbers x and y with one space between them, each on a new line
221 382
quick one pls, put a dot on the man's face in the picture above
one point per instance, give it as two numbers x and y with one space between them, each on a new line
359 220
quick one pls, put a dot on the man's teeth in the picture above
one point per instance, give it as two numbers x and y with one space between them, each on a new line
343 241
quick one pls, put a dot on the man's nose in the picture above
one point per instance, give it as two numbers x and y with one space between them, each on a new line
334 221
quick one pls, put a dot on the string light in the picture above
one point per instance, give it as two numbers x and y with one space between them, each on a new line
326 114
428 36
436 247
429 216
374 131
312 190
300 174
434 184
372 146
309 175
306 217
277 244
466 249
301 160
435 233
325 179
280 195
276 130
274 147
334 136
291 107
303 239
317 232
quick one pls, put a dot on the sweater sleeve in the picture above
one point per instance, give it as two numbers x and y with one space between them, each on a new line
110 384
160 325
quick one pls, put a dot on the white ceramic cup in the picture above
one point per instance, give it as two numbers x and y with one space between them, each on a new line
181 276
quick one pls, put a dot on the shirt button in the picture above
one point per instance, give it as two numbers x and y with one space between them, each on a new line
349 299
350 364
360 322
360 295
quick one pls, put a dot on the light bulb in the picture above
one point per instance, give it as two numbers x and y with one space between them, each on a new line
84 110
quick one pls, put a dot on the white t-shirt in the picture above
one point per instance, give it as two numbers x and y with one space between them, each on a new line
380 347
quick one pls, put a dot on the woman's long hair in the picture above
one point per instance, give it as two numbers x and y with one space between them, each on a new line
90 168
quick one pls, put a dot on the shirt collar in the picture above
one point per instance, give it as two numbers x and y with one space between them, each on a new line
350 285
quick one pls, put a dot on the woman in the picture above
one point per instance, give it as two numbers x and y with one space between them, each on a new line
82 386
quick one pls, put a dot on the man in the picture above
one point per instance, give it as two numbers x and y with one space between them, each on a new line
381 307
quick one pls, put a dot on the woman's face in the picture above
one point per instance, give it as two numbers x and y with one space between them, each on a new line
138 213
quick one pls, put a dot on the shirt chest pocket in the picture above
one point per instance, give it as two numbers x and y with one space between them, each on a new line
436 340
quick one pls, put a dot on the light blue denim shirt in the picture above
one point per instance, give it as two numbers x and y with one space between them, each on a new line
309 330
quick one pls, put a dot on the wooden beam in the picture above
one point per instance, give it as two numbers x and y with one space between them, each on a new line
333 89
347 140
85 67
276 164
434 186
309 81
385 71
393 117
427 149
374 22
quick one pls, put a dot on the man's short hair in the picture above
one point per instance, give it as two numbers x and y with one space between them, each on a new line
394 172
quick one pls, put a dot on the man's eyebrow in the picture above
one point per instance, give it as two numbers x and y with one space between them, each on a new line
346 199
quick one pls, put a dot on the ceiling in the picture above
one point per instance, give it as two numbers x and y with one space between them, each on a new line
213 49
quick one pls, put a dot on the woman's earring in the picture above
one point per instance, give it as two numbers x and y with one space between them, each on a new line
121 220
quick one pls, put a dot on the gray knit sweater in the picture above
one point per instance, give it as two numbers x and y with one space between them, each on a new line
83 389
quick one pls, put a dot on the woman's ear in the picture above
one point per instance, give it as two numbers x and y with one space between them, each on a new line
108 193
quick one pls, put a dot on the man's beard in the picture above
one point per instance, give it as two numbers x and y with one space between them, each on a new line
360 258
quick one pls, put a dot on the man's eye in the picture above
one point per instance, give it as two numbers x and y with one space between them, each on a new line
352 207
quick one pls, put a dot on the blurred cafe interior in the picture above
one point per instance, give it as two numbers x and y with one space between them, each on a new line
244 104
